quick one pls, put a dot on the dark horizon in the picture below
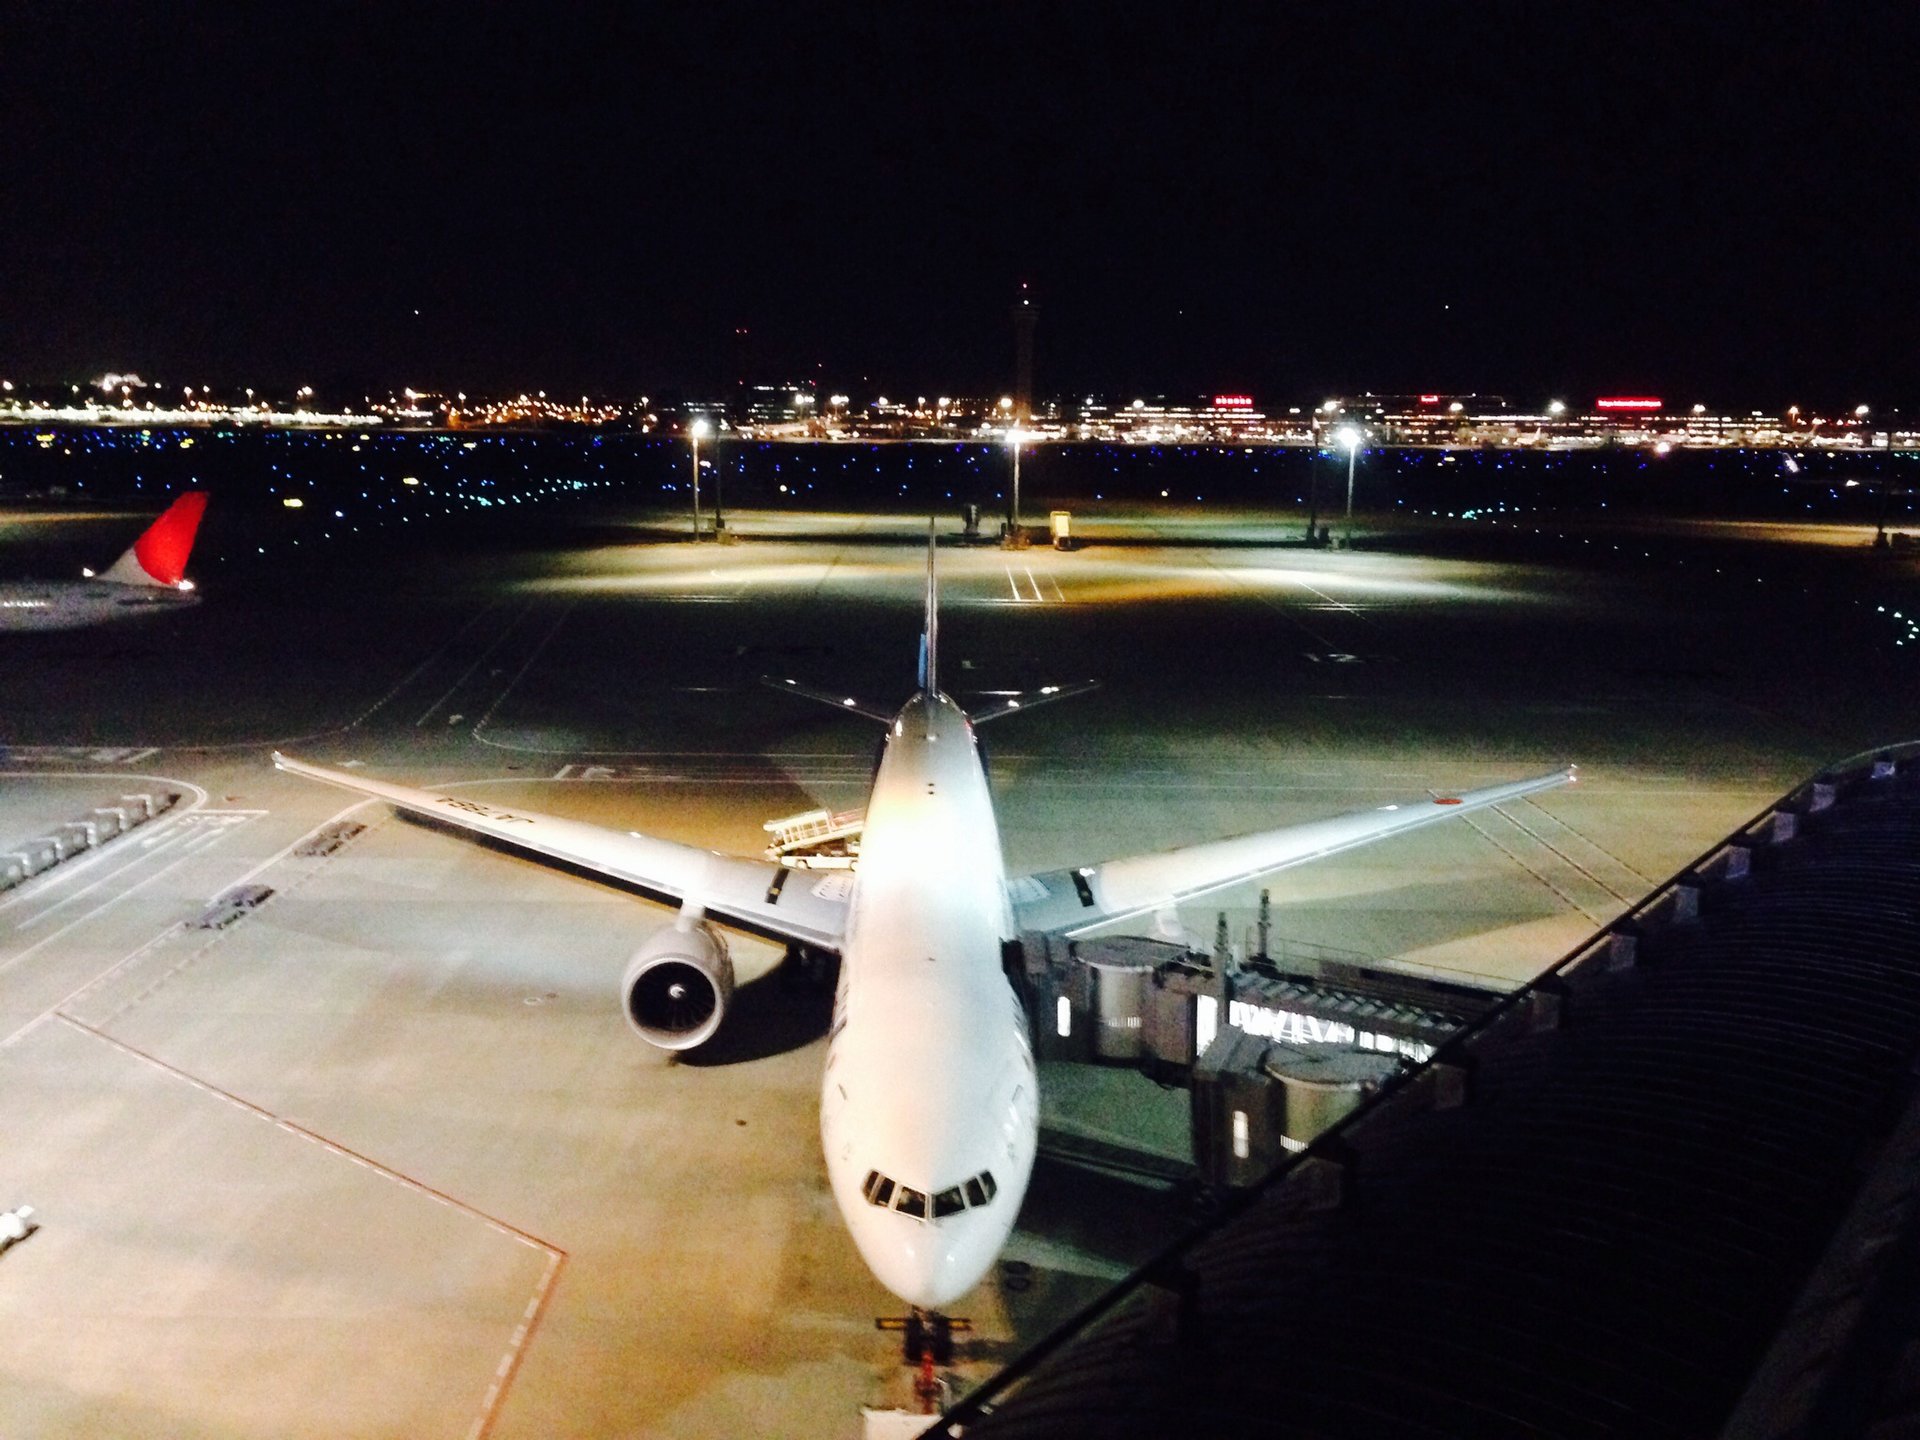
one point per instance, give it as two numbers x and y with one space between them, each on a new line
1713 206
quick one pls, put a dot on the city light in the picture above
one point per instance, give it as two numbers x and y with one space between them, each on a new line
794 413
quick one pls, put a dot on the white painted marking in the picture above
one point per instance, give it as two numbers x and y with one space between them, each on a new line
520 674
85 986
413 674
274 859
146 834
478 660
213 838
177 836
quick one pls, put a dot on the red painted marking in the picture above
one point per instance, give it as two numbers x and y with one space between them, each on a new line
1446 799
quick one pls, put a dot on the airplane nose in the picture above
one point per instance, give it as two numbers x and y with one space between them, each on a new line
936 1264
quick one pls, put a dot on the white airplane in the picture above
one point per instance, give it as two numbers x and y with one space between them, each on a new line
149 578
929 1111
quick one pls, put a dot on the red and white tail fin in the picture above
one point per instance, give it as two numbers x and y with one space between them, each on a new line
159 556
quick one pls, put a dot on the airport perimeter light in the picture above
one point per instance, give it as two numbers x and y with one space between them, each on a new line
1351 439
695 431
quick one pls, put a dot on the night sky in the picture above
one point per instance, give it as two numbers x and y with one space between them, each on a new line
1712 201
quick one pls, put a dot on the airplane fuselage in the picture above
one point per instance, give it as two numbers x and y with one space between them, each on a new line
929 1109
77 604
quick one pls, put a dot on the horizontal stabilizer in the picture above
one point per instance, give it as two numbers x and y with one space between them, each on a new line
1000 704
850 703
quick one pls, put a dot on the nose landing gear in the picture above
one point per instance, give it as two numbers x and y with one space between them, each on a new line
925 1335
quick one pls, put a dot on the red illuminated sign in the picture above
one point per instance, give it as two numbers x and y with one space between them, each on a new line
1233 402
1629 402
1429 399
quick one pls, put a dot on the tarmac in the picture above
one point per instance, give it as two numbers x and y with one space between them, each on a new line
381 1157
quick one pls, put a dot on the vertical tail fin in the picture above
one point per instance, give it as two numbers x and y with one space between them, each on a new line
159 556
929 676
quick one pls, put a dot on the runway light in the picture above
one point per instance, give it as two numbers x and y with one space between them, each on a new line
293 502
409 479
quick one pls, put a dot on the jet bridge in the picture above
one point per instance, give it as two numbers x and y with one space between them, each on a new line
1275 1039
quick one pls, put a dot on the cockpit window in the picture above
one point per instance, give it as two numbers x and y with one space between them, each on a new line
970 1194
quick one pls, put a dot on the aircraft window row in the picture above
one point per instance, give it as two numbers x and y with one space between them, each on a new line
969 1195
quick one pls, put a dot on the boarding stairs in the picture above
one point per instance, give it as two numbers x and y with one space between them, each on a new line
816 839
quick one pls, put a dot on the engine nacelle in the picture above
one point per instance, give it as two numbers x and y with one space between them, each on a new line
678 985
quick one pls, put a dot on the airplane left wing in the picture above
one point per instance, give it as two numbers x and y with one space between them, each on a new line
1074 901
764 898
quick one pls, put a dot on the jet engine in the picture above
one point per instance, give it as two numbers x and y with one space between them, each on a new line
677 986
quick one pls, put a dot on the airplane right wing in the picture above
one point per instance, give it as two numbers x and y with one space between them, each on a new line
765 898
1074 901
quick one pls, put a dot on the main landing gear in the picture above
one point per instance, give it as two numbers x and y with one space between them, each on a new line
926 1336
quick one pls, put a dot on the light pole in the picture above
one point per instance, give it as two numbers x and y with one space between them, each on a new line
694 432
1014 438
1351 438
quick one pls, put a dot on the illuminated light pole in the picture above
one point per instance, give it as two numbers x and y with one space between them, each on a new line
694 431
1014 437
1348 436
1313 498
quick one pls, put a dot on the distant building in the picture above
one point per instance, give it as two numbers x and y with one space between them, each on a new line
774 405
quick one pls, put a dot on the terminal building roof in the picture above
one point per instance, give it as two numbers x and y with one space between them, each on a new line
1669 1189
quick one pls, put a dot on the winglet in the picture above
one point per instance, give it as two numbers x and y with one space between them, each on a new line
159 556
929 676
